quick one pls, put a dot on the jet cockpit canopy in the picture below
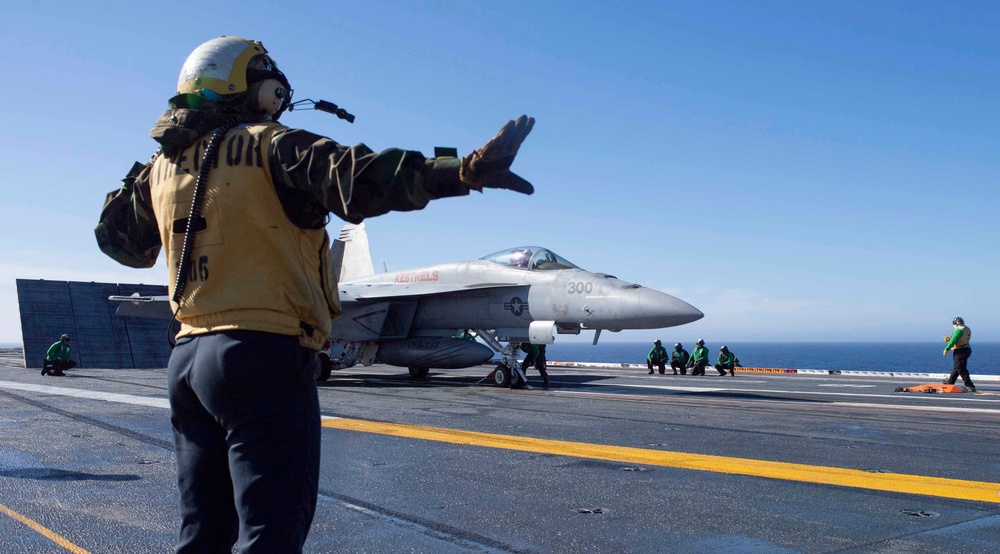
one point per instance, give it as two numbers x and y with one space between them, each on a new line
530 257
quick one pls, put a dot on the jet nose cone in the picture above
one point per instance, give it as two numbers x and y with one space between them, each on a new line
662 310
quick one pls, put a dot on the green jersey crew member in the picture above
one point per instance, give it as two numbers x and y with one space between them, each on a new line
58 357
958 343
679 359
258 291
727 362
699 359
658 357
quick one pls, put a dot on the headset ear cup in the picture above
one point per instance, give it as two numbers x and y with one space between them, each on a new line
267 96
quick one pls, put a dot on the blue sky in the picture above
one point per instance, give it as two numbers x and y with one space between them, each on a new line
797 170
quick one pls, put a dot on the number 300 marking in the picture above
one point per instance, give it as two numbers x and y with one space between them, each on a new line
580 287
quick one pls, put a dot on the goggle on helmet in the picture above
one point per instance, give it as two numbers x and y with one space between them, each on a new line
228 66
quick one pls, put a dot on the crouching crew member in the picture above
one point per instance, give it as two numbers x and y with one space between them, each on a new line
658 357
679 359
58 358
727 362
699 359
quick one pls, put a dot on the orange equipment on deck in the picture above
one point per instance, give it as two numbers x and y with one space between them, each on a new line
938 388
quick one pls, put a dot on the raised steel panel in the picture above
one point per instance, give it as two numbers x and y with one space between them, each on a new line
147 336
46 313
100 339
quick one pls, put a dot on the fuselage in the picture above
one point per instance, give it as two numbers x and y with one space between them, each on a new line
483 294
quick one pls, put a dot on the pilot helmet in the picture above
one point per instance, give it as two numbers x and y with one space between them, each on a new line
238 75
958 321
520 257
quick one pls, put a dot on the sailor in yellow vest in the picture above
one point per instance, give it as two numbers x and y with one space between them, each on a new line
240 204
958 343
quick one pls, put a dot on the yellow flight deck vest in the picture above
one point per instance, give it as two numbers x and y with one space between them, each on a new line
963 341
250 268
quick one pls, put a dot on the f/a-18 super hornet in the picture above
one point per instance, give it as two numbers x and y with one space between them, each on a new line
413 318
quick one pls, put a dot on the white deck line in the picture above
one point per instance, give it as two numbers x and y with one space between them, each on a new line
788 371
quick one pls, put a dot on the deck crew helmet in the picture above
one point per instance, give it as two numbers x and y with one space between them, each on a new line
724 348
656 342
237 74
678 346
958 321
64 337
700 342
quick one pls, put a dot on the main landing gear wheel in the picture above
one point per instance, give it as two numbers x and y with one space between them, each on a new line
419 373
501 376
325 367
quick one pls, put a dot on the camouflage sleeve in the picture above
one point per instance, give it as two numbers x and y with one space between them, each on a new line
127 230
355 182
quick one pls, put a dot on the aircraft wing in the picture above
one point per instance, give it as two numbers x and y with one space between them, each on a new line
358 292
157 307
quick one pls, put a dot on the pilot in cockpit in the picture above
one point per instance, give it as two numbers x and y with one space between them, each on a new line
520 258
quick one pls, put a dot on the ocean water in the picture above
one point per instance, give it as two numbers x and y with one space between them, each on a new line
917 357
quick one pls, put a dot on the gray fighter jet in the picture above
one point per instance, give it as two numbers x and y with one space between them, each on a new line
412 318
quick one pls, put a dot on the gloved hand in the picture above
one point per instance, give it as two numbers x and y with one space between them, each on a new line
945 353
489 166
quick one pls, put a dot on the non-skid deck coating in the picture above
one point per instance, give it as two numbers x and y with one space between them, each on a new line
609 460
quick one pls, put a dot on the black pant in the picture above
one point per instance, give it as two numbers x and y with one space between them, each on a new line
529 360
541 367
699 368
960 357
678 365
660 364
245 416
59 366
724 368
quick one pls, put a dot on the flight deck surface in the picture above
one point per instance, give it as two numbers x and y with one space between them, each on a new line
604 460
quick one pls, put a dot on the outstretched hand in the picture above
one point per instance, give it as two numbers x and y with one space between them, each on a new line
489 166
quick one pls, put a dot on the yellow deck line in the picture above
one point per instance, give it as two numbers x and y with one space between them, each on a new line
52 536
892 482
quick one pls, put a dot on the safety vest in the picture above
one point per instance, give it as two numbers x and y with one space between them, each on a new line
250 268
963 341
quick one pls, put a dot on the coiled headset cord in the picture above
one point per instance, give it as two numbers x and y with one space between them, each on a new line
207 162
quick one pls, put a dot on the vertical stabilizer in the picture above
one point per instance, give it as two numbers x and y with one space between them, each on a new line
352 258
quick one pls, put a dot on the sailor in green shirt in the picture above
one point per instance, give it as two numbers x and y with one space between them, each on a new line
679 359
658 357
699 359
958 343
727 362
535 358
58 358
